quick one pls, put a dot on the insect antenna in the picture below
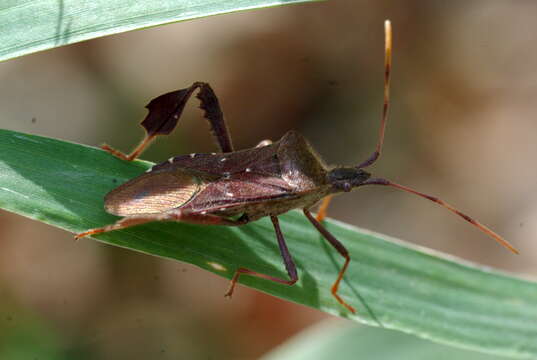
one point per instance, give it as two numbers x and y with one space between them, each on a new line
483 228
386 104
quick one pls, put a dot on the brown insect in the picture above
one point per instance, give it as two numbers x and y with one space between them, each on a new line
236 187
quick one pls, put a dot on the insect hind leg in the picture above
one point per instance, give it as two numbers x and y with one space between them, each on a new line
134 154
165 111
173 215
121 224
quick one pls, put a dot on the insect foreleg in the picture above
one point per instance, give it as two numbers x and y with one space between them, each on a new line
340 249
323 208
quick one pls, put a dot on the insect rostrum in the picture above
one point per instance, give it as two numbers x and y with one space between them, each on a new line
236 187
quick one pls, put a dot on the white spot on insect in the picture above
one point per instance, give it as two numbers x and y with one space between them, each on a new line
226 175
176 116
229 194
192 155
149 170
216 266
223 159
213 153
170 160
248 170
203 213
291 176
293 173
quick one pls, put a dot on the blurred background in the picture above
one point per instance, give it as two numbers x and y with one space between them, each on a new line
462 127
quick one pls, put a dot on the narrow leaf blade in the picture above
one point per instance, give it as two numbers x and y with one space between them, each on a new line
391 284
329 340
27 26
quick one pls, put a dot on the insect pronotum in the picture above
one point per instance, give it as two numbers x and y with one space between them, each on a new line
236 187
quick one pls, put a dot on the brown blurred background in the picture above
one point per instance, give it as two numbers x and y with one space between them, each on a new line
462 126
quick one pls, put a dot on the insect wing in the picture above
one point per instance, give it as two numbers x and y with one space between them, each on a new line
258 160
245 188
153 192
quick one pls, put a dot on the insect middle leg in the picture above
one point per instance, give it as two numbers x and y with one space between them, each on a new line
162 121
173 215
340 249
287 259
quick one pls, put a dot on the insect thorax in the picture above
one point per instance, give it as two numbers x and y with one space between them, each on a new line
300 165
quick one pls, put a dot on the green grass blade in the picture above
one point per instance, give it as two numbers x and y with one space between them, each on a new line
391 284
329 340
27 26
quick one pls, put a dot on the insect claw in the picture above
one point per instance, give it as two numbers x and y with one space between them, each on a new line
81 235
342 302
114 152
90 232
232 284
229 292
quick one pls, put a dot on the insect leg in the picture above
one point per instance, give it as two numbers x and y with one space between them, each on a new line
386 105
321 214
134 154
287 259
165 111
213 113
174 215
340 249
121 224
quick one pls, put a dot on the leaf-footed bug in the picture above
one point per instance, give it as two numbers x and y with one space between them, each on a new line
236 187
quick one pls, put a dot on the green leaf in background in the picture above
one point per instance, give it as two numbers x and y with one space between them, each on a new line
329 341
392 285
27 26
27 336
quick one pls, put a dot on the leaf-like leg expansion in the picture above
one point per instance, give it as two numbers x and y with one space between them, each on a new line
287 259
213 113
165 111
321 214
173 215
340 249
